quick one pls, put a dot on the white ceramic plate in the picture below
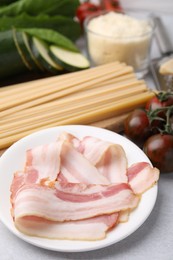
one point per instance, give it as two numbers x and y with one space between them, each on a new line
13 159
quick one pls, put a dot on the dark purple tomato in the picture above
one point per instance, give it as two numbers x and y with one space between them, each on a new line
137 126
163 99
159 149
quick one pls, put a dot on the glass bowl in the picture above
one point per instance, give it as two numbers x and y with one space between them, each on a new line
109 40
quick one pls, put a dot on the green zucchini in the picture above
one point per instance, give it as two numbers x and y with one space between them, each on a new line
20 46
71 61
41 49
36 64
10 62
24 48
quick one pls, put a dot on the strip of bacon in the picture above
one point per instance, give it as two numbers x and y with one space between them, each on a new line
20 179
110 159
142 176
64 136
89 229
44 161
75 168
78 175
124 216
73 201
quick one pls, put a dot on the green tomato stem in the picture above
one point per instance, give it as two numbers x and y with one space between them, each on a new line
154 115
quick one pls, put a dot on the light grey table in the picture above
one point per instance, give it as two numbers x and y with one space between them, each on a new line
152 241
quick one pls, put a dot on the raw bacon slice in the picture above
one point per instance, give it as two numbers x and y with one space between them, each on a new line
89 229
87 176
73 201
124 216
142 176
21 178
73 140
44 161
110 159
75 168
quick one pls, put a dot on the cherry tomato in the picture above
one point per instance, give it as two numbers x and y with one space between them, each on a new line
137 126
111 5
86 9
159 149
163 99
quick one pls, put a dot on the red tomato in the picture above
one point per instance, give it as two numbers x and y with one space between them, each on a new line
85 10
111 5
159 149
137 126
163 99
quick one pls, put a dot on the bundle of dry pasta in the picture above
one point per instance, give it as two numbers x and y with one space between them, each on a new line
83 97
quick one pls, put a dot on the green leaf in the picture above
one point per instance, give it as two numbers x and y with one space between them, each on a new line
35 7
64 25
52 37
6 2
